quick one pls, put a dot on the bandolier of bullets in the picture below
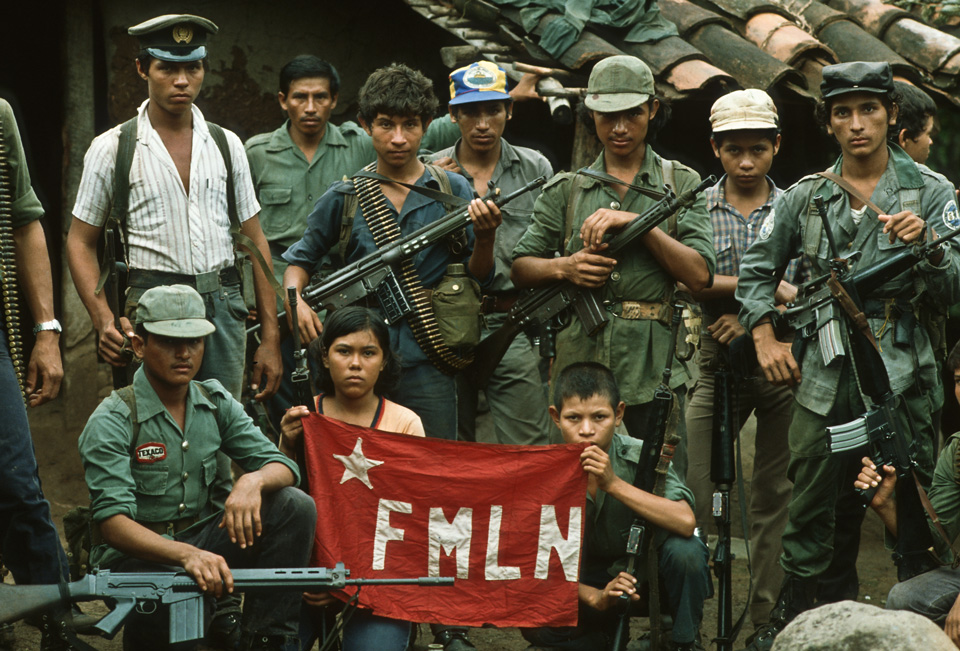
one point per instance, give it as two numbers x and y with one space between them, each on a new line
8 267
422 321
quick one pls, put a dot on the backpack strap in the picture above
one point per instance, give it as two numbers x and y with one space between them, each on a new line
121 190
576 190
130 398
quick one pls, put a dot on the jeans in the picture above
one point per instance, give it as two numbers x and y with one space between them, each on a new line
931 594
432 396
29 541
364 630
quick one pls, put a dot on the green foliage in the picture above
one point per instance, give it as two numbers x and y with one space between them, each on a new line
936 12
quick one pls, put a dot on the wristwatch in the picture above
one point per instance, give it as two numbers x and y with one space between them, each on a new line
48 325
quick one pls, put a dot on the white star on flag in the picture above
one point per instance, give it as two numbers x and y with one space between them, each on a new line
355 466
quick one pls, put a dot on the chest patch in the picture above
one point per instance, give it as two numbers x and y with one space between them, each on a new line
151 453
766 228
951 216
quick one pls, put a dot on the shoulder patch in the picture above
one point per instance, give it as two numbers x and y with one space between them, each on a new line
951 216
766 228
150 453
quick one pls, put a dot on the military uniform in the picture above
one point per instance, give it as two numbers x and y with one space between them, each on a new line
633 348
829 395
515 391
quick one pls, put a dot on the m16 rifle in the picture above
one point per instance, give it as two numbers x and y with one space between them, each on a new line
178 590
545 303
655 457
114 285
301 371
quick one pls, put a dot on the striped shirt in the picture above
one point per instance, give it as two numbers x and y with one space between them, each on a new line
168 229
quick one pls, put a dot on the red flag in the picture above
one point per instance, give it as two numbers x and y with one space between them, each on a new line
505 520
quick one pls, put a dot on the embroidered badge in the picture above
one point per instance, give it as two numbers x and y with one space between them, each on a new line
478 77
951 216
151 453
766 228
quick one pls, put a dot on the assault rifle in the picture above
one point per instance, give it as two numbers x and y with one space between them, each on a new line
652 463
300 377
114 284
545 303
375 273
146 590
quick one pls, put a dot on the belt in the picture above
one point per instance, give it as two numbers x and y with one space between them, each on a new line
203 283
171 527
498 303
641 311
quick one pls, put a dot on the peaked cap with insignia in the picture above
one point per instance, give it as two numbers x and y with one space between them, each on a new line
174 37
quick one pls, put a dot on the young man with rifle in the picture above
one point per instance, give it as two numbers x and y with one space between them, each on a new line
574 214
481 108
587 409
149 453
381 205
877 202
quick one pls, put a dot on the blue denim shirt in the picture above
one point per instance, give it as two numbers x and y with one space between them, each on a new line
323 234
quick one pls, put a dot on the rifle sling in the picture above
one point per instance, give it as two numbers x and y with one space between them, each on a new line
451 200
934 518
857 317
852 191
609 178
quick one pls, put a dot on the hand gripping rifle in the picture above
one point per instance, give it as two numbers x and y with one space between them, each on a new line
655 457
892 438
146 590
116 281
545 303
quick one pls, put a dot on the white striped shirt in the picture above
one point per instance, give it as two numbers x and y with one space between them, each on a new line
168 230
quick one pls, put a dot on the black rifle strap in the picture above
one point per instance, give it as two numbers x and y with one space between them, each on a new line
609 178
450 200
423 324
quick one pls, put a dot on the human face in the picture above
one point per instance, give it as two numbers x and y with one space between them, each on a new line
396 138
624 133
859 122
746 158
592 420
919 147
355 362
171 86
308 103
481 124
169 362
956 383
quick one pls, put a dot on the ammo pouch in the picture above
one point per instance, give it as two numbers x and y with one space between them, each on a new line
456 306
688 334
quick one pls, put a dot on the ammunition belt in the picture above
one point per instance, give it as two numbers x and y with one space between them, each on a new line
385 229
8 267
641 311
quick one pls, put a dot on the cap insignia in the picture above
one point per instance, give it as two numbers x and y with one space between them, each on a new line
182 33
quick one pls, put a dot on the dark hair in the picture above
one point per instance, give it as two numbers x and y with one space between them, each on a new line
140 331
346 321
915 108
822 111
455 109
306 66
658 122
397 89
770 134
953 359
584 380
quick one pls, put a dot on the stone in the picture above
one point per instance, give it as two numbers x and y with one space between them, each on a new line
852 626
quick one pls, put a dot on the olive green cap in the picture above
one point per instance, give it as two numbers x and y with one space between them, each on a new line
174 37
856 77
619 83
174 311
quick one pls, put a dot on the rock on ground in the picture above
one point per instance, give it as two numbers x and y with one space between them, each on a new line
852 626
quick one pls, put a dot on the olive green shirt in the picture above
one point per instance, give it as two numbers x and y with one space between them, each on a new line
516 167
633 349
609 520
945 495
793 227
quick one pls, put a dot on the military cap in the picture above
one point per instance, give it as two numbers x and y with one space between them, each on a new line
173 311
619 83
856 77
744 109
482 81
174 37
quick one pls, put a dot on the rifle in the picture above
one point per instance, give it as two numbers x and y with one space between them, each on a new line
651 465
375 273
301 372
539 305
178 590
115 281
891 439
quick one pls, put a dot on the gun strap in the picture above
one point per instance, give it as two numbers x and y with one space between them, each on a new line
852 191
934 518
8 267
452 201
385 229
857 317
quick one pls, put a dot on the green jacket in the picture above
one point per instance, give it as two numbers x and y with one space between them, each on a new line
633 349
792 228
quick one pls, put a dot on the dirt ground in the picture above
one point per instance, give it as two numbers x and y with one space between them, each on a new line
55 436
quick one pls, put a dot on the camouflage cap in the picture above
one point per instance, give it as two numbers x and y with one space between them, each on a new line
856 77
174 37
744 109
173 311
619 83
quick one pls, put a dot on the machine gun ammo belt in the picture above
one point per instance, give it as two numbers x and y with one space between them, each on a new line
8 267
385 229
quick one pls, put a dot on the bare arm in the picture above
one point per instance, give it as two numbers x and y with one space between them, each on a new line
267 358
307 319
486 218
679 260
33 270
241 511
586 268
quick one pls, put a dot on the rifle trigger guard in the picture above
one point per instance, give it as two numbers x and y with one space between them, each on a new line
146 607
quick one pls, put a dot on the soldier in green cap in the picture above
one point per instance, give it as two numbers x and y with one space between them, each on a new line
575 212
149 453
858 107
